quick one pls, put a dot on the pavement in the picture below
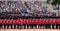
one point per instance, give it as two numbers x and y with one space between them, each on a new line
29 29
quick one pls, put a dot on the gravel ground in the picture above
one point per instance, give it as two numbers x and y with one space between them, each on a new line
29 29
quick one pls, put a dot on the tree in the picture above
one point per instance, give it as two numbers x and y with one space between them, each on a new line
55 2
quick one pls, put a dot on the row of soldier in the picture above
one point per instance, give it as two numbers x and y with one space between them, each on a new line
30 26
30 21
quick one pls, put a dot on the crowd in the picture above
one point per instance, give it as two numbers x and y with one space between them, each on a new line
24 8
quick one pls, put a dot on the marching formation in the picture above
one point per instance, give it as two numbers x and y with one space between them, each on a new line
30 23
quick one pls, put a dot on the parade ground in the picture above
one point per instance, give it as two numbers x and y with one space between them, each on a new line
29 29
